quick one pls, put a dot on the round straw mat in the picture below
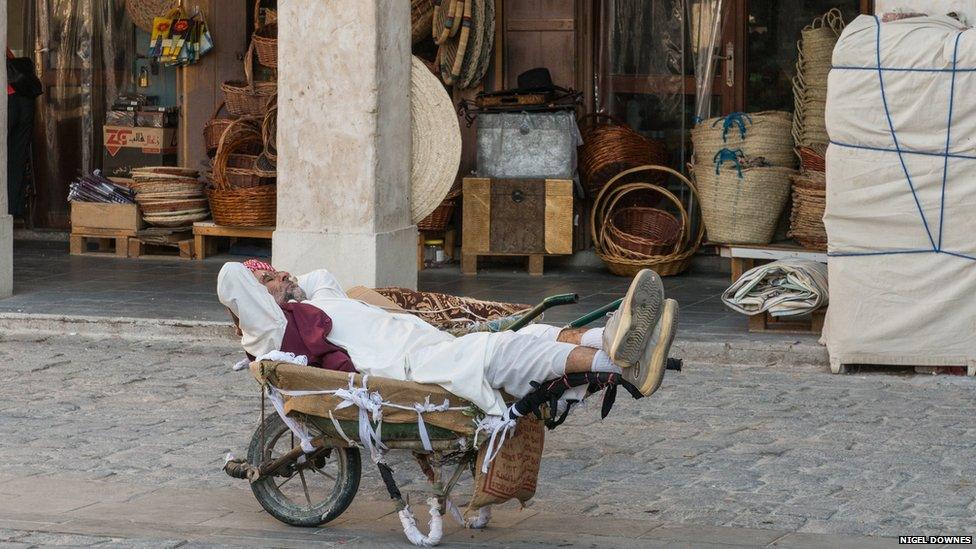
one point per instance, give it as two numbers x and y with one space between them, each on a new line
436 142
469 67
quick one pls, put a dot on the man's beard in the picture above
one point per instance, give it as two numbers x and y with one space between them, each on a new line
294 292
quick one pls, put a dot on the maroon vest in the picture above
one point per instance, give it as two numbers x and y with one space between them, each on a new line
306 332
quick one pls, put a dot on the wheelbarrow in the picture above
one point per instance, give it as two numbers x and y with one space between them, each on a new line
304 463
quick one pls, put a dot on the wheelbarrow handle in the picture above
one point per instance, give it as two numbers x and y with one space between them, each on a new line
595 315
547 303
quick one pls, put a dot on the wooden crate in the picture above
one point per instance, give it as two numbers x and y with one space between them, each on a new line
108 242
207 233
516 217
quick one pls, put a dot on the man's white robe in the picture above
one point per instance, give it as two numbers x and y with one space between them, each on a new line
398 346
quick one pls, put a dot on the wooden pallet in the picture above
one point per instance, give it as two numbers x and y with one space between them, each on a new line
161 244
469 261
108 242
207 233
791 325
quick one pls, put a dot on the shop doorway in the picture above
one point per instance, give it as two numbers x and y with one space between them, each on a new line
647 53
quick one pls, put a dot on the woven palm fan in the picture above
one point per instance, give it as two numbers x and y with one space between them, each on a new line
476 41
452 52
488 44
436 139
142 12
442 19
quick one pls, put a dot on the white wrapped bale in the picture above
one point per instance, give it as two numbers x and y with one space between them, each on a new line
902 263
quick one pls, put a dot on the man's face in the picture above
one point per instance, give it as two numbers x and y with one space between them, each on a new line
282 286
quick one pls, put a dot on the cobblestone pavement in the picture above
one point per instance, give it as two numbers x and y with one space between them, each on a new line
787 449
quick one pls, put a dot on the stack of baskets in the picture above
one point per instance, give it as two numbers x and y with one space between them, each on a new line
815 50
242 190
464 30
630 238
742 165
610 147
169 196
809 201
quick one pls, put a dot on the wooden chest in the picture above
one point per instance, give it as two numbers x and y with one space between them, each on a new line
530 217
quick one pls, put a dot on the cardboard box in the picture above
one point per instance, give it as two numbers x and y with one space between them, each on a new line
95 215
126 147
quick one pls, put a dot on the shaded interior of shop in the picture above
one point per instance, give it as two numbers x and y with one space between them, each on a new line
633 59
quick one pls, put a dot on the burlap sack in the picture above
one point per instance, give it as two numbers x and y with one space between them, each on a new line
514 471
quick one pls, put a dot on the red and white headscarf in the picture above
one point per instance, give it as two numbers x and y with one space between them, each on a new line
258 265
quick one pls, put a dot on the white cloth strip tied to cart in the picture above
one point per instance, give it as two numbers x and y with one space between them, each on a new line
782 288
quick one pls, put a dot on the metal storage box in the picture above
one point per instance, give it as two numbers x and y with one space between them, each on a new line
538 145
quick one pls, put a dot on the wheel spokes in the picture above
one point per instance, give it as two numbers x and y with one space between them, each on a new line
308 498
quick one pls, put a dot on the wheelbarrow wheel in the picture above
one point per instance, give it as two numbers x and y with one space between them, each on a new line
310 493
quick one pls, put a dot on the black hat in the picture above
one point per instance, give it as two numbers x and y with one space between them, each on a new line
535 80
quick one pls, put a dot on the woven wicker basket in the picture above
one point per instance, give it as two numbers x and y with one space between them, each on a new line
247 207
742 209
811 159
421 18
644 231
239 138
809 202
814 52
214 128
764 134
625 261
269 131
265 41
610 147
248 98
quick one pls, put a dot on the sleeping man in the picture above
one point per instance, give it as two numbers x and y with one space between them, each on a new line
312 315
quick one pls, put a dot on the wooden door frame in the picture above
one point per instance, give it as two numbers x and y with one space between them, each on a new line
739 10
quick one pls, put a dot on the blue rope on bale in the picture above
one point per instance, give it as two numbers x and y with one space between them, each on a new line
728 154
736 118
946 155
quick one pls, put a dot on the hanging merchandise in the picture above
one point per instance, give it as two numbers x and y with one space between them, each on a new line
815 49
465 31
178 39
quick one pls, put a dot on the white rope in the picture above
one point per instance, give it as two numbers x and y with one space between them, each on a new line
370 406
497 428
298 428
436 526
480 521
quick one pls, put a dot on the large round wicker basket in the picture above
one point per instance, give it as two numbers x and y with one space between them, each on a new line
625 259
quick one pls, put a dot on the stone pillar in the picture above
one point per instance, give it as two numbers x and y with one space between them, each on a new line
344 141
6 221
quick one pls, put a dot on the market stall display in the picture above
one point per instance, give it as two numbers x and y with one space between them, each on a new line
900 193
170 197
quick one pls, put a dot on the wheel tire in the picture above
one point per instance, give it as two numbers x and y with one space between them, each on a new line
280 507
